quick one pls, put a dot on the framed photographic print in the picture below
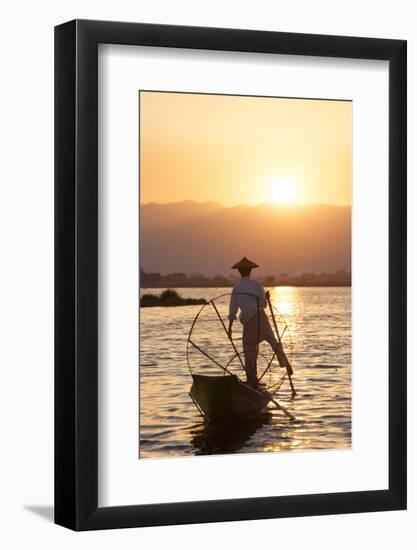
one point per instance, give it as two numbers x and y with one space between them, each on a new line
230 236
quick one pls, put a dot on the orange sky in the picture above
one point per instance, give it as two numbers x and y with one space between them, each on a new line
234 149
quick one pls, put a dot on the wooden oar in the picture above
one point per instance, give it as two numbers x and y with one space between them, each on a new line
280 407
284 357
283 409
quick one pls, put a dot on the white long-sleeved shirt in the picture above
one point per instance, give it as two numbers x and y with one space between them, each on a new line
244 296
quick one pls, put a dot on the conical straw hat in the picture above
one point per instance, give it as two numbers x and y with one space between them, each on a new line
244 262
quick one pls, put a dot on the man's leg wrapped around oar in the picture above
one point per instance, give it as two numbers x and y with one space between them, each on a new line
255 331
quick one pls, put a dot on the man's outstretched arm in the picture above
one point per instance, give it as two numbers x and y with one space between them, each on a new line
229 330
233 307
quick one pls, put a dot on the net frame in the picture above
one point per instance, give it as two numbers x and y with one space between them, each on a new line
272 385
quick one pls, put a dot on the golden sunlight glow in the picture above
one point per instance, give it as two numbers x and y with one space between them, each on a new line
283 191
221 148
283 299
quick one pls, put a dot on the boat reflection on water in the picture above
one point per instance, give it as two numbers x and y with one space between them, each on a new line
215 438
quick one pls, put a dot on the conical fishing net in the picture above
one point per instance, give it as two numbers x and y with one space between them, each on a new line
211 352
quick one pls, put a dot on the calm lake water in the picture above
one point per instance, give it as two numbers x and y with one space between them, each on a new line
319 327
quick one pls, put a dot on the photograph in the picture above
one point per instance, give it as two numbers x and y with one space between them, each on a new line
245 332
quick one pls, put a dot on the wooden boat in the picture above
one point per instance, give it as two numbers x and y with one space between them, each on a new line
226 398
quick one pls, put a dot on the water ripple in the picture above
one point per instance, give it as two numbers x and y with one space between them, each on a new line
170 425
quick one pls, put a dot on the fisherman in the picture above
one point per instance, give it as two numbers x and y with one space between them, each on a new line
249 296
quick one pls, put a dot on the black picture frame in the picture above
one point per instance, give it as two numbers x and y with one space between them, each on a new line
76 272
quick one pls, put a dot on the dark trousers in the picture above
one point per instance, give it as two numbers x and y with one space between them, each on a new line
255 331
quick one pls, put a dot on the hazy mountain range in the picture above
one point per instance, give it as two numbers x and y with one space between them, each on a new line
208 238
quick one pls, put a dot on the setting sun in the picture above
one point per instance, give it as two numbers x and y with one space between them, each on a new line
283 191
244 150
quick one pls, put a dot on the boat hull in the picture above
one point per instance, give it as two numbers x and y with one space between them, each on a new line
225 398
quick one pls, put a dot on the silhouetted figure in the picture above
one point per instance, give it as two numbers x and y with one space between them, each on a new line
249 296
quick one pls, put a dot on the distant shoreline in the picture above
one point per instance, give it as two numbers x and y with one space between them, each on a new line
231 285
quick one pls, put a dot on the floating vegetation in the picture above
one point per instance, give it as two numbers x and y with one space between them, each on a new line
169 298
